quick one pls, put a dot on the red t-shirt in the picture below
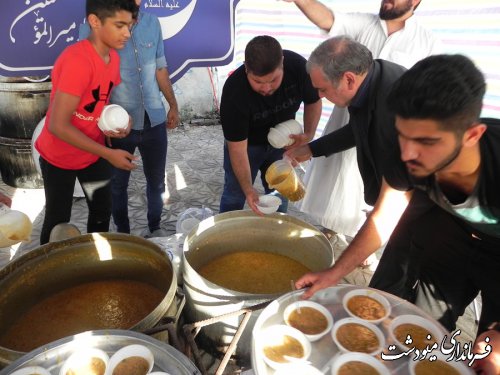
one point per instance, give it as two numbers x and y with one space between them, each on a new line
79 71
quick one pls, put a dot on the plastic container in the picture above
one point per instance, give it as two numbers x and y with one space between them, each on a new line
279 136
364 310
429 326
282 176
358 357
274 336
88 360
316 306
372 327
113 117
128 352
268 203
190 218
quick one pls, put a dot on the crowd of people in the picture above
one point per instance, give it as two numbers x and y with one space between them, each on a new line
405 139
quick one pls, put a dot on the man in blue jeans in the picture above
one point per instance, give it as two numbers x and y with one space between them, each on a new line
144 77
267 90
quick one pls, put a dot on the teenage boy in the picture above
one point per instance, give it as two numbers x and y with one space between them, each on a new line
71 145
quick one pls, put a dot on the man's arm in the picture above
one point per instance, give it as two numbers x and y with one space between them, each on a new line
241 167
375 231
316 12
165 85
63 107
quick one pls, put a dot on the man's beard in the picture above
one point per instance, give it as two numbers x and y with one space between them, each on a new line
443 164
395 12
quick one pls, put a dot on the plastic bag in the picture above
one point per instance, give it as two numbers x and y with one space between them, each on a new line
173 247
188 219
15 226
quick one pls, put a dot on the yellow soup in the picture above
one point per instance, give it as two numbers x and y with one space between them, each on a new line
308 320
254 272
357 338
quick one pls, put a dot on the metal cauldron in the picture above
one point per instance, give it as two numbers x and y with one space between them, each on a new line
243 231
51 268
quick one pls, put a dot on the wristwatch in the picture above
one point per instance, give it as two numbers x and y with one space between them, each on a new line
495 326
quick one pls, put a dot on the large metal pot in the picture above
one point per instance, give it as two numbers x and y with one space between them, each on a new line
243 231
92 257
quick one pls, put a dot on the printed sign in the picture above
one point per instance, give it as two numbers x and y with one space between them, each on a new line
34 33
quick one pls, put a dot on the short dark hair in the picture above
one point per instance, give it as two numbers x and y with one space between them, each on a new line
445 88
338 55
263 55
107 8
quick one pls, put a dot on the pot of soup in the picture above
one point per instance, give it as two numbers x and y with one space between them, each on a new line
237 259
89 282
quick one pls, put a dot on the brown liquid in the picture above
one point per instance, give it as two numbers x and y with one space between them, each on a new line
434 368
357 338
289 187
132 366
118 304
254 272
96 366
309 320
366 307
356 368
418 335
290 347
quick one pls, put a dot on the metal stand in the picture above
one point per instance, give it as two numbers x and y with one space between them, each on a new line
191 331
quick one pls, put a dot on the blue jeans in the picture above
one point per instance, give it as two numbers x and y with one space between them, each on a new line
260 158
152 144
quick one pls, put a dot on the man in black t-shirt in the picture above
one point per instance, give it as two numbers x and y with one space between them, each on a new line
267 90
453 158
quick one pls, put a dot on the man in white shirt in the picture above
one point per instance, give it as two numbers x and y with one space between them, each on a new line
334 186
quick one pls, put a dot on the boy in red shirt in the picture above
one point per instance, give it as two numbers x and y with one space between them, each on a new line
71 145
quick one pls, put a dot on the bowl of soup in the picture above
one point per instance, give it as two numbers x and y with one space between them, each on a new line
86 361
438 366
133 359
358 364
356 335
281 345
414 331
311 318
366 304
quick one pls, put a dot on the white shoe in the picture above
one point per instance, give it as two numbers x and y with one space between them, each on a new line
157 233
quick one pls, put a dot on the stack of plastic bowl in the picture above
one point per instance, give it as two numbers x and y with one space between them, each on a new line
113 117
279 136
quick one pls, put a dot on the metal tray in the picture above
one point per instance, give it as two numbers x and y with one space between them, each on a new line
324 351
53 355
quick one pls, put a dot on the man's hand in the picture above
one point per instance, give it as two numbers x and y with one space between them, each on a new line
121 159
5 200
252 199
316 281
299 154
299 140
491 364
173 118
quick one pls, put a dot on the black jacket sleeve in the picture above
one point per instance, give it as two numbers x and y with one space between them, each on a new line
340 140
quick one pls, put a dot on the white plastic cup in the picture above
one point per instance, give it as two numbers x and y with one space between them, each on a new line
279 136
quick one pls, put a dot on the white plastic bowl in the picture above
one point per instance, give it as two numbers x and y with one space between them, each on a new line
113 117
298 369
364 323
358 357
273 336
431 327
371 294
314 305
290 127
81 358
460 367
31 370
268 203
278 139
134 350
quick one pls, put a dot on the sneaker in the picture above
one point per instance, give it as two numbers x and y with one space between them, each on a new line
160 232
